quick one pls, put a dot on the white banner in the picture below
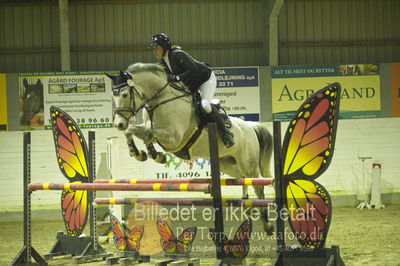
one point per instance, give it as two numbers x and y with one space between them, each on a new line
85 96
238 90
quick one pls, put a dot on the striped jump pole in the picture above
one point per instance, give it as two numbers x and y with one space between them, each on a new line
185 202
120 187
224 181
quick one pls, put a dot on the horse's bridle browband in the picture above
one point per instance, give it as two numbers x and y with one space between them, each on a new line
150 109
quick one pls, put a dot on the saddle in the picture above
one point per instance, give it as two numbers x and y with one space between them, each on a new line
202 120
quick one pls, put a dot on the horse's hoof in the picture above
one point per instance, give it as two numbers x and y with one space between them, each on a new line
269 228
160 158
142 157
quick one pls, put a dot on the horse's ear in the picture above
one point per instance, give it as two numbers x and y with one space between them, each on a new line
111 76
26 84
38 82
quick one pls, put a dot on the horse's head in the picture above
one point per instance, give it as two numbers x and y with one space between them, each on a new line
32 101
124 106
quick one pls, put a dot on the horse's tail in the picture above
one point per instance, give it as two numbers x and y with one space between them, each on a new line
266 146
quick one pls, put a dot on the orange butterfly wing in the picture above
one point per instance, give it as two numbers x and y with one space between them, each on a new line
238 247
168 241
120 237
134 237
185 240
225 241
307 152
71 151
74 209
71 148
172 245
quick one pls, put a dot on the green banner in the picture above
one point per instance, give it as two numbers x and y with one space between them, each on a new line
360 97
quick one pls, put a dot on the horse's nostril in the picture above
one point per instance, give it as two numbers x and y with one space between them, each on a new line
120 125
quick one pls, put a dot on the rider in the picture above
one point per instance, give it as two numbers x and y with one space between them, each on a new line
180 66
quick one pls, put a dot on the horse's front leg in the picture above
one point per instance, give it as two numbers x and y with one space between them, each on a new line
147 135
133 150
160 136
159 157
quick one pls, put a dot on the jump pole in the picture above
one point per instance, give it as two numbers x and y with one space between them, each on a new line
184 202
24 255
120 187
224 181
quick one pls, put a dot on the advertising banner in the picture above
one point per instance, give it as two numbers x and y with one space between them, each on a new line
238 90
360 97
177 168
395 94
84 95
3 103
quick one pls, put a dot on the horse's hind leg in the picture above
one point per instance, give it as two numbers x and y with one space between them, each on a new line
250 169
268 225
230 167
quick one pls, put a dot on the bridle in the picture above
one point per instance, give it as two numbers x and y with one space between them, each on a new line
132 109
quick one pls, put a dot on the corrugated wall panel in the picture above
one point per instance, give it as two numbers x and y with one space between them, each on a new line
113 34
6 34
330 32
222 33
29 38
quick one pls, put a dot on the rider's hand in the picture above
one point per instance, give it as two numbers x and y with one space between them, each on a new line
173 78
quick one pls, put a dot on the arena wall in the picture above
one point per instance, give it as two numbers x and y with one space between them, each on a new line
376 138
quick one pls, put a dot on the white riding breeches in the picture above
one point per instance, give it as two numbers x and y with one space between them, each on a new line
207 90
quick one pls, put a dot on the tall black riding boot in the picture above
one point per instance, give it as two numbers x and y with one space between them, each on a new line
226 134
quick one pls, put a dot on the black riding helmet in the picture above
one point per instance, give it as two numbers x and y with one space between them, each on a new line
162 40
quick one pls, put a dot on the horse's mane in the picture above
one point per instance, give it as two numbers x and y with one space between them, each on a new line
146 67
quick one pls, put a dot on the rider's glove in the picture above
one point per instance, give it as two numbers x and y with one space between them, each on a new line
173 78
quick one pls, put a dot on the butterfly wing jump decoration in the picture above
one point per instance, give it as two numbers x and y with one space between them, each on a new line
175 245
307 152
71 151
239 246
126 240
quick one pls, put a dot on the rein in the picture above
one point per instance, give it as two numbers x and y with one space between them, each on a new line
150 109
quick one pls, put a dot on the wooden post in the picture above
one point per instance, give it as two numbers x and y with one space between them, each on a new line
27 195
216 190
92 194
279 193
27 252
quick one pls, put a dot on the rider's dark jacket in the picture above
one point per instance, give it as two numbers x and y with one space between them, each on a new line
192 72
